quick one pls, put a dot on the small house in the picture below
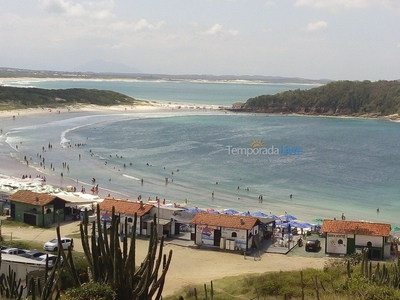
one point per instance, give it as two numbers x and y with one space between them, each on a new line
127 210
36 209
346 237
230 232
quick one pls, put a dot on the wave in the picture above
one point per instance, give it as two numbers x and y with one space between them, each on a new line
132 177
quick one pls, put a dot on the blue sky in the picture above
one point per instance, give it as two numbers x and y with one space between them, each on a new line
333 39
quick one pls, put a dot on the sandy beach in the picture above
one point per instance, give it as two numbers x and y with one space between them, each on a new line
188 266
14 168
209 265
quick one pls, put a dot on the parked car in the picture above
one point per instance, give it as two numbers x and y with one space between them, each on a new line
32 254
14 251
313 245
51 258
52 245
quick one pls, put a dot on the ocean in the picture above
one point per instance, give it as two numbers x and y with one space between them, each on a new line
329 165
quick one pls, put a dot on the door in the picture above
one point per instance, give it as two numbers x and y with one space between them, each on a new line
13 211
217 237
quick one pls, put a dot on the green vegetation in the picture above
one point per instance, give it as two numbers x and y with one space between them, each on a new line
351 98
19 98
346 279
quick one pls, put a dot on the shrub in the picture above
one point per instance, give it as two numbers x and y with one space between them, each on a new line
91 291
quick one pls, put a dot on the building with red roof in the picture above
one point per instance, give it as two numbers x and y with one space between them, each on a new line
346 237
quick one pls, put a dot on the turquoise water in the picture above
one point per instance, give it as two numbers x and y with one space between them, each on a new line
345 165
194 93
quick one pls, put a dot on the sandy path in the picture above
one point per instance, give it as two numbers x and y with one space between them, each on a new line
188 266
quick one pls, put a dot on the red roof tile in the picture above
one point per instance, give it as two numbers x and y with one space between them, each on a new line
227 221
125 207
356 227
29 197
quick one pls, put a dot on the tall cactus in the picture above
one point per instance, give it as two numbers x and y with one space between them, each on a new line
111 264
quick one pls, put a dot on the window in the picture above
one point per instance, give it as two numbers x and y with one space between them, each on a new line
340 242
234 234
130 220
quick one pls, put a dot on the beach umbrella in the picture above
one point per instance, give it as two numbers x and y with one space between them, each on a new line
287 217
281 223
275 217
301 224
318 220
245 214
105 217
194 210
395 228
230 211
259 214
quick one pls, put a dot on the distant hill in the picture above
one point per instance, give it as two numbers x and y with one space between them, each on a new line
350 98
17 98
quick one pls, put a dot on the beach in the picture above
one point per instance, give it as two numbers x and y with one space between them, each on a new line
209 265
13 168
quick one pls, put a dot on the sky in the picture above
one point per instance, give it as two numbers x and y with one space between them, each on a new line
314 39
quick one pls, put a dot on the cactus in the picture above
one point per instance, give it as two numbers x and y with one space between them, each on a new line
10 288
111 264
348 269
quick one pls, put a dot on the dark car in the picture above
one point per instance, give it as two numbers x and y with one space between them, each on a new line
32 254
313 245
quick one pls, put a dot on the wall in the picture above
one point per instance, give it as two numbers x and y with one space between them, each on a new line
240 236
336 243
205 235
362 240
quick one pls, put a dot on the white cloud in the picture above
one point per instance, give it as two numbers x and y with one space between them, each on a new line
218 30
317 26
144 24
337 4
269 4
91 9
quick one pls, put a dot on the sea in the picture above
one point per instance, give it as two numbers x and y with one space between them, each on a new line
308 166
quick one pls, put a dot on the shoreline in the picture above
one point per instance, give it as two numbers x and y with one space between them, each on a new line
17 167
392 117
14 168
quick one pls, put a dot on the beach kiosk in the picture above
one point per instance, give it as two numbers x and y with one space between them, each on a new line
37 209
345 237
237 232
127 210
